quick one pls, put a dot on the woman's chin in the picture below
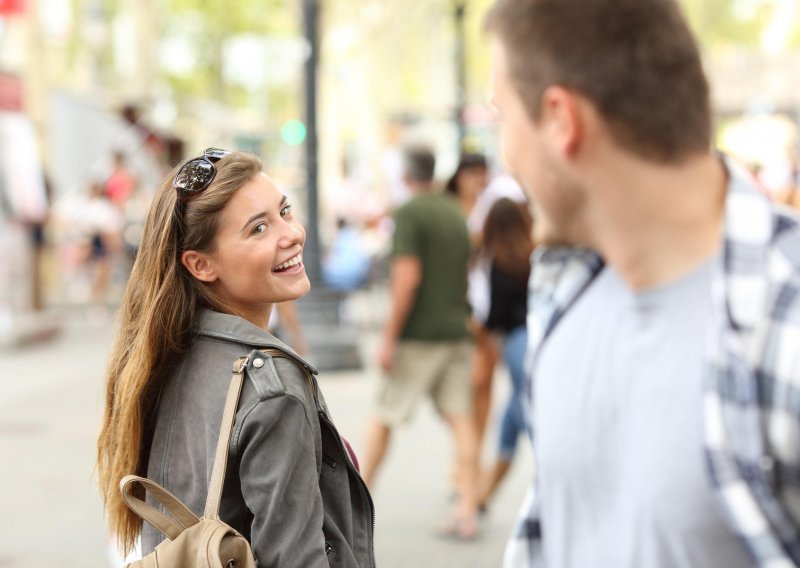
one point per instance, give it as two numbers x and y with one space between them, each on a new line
306 287
297 289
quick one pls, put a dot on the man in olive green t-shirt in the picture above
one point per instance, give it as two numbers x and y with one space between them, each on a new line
426 348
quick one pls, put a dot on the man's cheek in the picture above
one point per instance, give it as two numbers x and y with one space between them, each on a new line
507 149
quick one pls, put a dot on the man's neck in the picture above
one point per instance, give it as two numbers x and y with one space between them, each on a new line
420 188
655 223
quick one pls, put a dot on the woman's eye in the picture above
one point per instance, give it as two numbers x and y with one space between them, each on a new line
286 210
260 228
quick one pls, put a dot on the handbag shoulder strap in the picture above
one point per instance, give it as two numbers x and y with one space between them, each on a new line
182 517
223 443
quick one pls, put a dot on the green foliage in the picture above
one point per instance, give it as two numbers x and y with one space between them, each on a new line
728 22
794 40
224 19
208 24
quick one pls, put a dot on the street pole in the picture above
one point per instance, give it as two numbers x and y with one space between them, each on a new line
141 81
35 77
332 346
459 12
311 258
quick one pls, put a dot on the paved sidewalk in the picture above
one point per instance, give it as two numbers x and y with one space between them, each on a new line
50 404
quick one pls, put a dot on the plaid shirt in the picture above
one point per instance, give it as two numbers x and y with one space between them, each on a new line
752 385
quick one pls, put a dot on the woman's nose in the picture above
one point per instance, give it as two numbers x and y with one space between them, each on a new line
292 234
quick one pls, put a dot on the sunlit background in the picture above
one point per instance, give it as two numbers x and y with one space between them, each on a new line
193 74
328 107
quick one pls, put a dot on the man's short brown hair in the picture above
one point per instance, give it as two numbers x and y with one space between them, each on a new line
419 163
635 60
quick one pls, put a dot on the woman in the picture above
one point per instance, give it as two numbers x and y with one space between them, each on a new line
467 184
509 244
468 181
220 248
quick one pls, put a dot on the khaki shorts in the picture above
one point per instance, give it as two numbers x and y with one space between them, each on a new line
441 369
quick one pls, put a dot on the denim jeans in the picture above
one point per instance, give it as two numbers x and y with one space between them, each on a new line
512 423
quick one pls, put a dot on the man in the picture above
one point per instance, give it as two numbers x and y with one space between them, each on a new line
664 311
426 348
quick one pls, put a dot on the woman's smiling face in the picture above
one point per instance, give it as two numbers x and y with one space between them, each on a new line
257 259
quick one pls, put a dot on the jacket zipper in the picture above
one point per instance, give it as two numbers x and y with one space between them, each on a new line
361 483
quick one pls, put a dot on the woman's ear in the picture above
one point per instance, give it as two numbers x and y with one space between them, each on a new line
199 265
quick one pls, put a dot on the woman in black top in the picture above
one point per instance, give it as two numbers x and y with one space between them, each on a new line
508 242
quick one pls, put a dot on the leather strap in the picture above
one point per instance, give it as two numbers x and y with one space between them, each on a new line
224 441
184 518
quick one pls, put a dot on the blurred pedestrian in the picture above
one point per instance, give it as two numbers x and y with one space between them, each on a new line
508 243
468 181
426 350
663 311
38 233
346 266
101 226
501 185
467 184
792 196
121 183
220 248
487 351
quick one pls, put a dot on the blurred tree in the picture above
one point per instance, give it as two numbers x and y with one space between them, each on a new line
208 25
729 22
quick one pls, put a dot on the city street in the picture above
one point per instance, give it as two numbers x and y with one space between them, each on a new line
421 163
49 415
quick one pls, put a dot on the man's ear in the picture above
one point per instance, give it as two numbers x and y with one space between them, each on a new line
562 112
199 265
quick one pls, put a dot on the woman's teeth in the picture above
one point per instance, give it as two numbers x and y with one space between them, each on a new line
289 263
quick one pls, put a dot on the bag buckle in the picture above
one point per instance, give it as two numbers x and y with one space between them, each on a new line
240 364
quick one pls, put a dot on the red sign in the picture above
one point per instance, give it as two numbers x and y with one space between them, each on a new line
11 7
10 92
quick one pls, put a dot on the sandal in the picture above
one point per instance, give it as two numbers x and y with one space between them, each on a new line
465 529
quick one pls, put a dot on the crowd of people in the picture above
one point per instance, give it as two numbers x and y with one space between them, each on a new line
642 291
454 291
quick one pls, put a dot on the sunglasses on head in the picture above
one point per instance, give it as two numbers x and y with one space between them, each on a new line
198 173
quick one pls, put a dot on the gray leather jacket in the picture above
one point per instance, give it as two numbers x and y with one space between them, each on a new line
290 488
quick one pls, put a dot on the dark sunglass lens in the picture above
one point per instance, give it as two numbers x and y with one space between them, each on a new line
195 175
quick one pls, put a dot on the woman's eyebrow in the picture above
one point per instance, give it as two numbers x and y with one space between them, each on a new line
260 214
253 218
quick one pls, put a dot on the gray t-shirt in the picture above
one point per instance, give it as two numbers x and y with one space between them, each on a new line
618 428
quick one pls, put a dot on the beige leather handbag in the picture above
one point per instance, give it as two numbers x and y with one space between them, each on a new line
206 542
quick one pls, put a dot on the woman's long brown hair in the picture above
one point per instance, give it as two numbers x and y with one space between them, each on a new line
507 237
156 317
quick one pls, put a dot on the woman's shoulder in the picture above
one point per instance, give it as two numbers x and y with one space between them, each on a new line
228 328
274 368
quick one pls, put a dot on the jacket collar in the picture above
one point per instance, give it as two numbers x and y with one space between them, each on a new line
236 329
